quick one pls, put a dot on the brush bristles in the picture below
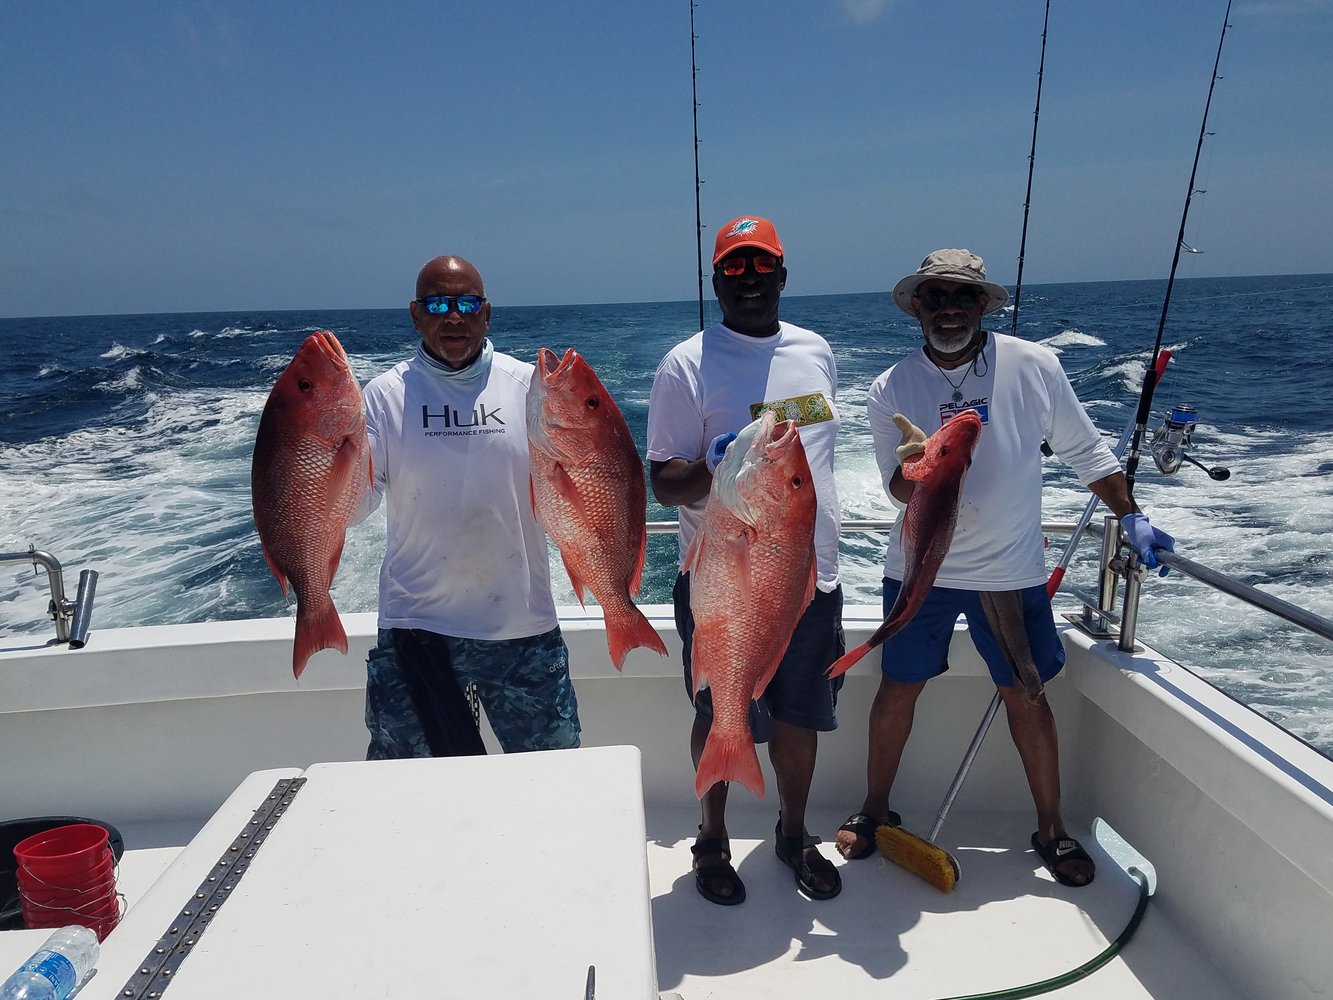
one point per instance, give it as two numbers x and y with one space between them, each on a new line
920 857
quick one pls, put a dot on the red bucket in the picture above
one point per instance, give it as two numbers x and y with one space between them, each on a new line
56 897
67 876
63 854
100 914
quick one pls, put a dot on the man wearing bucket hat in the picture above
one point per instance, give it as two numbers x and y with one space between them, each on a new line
705 390
1023 397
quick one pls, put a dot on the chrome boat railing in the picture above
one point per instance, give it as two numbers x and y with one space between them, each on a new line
72 618
1118 565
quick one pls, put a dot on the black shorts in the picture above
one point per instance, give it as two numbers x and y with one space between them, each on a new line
799 694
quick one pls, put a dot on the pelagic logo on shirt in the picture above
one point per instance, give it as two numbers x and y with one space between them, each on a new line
813 408
452 422
950 410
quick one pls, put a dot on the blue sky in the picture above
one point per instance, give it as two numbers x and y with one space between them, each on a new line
199 156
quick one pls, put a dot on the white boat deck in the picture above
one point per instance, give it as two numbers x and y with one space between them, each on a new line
889 934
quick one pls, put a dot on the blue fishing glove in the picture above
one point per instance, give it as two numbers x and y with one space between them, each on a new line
1144 538
717 449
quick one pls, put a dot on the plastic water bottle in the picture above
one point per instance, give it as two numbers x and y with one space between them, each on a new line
56 968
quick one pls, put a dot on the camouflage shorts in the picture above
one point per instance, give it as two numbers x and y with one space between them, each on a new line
523 684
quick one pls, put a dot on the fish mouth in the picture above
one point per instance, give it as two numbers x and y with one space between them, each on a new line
330 348
780 437
552 371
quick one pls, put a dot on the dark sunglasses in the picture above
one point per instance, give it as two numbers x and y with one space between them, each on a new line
935 299
734 267
439 305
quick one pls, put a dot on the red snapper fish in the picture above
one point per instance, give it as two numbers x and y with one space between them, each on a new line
589 494
937 465
752 574
309 474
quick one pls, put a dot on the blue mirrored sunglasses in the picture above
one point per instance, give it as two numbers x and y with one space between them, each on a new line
467 305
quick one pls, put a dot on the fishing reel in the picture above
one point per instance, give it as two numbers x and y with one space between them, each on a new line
1171 442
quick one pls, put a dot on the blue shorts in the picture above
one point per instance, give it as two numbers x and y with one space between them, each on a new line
799 694
921 650
522 683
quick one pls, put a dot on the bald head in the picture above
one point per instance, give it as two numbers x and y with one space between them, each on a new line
451 271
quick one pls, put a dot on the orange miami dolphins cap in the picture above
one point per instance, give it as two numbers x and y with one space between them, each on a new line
747 231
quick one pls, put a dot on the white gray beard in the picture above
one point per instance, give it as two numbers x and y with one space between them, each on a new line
950 345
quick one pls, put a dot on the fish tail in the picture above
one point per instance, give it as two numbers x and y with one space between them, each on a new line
844 663
316 630
729 758
631 630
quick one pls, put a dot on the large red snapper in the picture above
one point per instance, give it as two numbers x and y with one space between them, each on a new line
589 494
752 574
310 472
932 515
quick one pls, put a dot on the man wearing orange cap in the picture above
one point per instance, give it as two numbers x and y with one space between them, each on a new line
705 390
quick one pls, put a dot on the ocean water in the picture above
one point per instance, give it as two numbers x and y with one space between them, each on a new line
125 446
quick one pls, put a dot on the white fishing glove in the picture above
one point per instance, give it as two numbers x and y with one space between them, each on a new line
914 438
1144 538
717 449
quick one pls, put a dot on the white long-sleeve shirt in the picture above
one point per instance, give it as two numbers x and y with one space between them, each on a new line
1023 396
464 554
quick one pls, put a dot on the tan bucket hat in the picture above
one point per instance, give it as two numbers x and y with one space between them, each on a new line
950 265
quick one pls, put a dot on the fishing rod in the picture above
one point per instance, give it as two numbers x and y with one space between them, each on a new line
1149 384
698 217
1032 162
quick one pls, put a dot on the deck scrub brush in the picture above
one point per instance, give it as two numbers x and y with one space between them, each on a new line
920 857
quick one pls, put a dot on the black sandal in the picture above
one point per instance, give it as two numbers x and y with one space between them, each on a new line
1057 852
715 870
864 825
791 852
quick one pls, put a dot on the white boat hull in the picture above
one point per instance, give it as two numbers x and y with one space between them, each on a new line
152 729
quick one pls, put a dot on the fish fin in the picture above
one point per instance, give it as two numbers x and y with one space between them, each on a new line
631 630
347 459
636 579
336 557
566 487
907 537
737 555
273 568
899 615
692 553
698 667
915 467
316 630
845 662
580 589
729 759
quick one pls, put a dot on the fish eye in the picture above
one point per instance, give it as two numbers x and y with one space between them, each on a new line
305 385
593 402
797 481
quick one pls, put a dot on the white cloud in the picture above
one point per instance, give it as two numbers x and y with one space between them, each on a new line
865 11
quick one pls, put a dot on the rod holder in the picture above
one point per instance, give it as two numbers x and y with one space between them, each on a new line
83 609
61 608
